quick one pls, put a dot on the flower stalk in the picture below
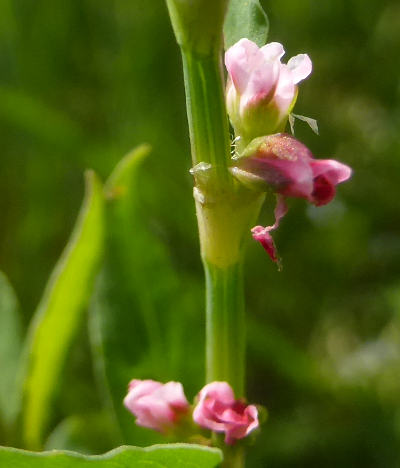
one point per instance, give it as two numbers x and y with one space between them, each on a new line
225 209
225 326
208 123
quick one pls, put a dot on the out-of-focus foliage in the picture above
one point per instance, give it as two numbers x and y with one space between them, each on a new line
10 348
84 81
59 314
161 456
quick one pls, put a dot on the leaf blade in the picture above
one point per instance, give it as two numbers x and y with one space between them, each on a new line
245 18
156 456
57 317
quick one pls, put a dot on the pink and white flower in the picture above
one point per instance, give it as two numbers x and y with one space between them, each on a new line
156 406
262 91
218 410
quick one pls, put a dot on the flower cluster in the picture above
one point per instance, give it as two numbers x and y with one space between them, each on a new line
284 165
261 92
163 406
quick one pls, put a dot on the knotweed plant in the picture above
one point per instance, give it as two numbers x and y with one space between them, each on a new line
257 99
240 94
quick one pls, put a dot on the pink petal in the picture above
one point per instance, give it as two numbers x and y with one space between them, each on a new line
173 394
336 171
300 66
273 51
261 84
285 91
248 422
221 391
213 399
327 174
240 60
298 175
281 162
157 406
154 413
219 411
138 388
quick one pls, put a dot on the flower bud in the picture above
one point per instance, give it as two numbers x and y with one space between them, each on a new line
283 164
218 410
261 91
156 406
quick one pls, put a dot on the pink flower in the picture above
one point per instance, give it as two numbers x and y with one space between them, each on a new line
261 91
156 406
283 164
218 410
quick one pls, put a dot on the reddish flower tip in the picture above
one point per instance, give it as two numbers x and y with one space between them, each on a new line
218 410
327 173
262 234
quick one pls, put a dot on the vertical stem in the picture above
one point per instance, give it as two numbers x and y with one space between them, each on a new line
225 329
205 102
223 211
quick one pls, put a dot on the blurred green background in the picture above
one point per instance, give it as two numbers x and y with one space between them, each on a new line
84 81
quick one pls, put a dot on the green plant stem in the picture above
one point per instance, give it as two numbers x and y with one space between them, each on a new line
234 457
225 328
224 210
208 122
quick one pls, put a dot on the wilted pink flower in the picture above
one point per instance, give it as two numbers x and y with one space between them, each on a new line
261 90
283 164
218 410
262 234
156 406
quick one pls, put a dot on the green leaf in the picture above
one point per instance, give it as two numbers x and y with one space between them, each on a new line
245 18
157 456
59 313
141 309
10 346
86 433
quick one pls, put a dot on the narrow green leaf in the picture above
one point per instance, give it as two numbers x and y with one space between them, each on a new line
58 315
245 18
10 346
157 456
88 433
